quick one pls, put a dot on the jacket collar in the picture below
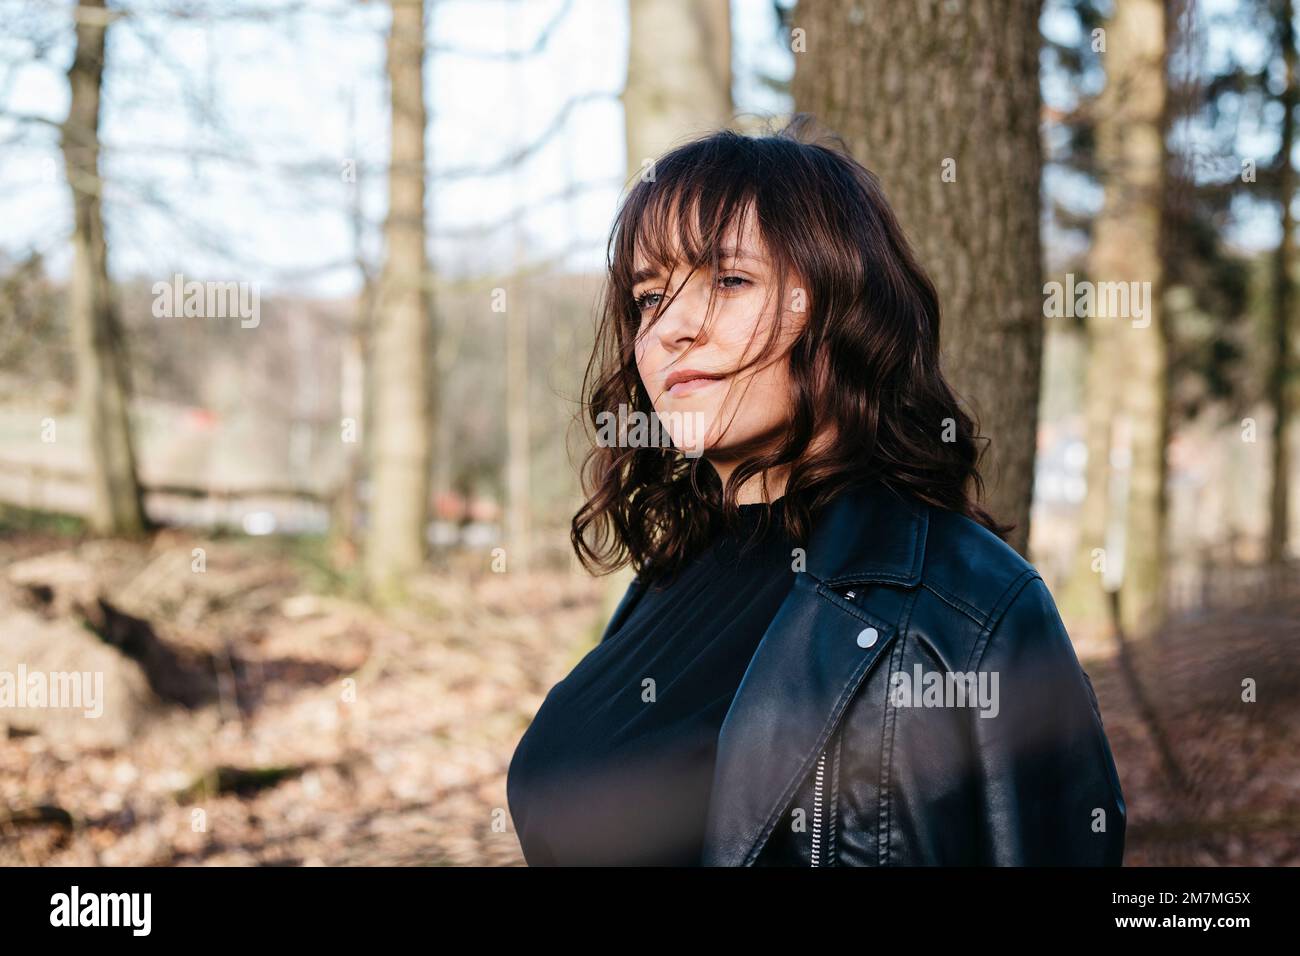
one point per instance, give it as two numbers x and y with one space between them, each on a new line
814 655
869 534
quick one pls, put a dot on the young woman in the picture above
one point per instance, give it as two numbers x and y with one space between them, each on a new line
829 656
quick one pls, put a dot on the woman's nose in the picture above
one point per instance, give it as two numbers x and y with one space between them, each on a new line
683 320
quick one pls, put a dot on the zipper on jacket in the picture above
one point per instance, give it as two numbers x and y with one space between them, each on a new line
815 853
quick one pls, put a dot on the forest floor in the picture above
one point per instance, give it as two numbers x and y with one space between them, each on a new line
290 724
1210 778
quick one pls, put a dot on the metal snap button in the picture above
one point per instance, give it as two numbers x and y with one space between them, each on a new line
867 637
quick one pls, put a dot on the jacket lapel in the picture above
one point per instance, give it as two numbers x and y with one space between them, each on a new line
814 655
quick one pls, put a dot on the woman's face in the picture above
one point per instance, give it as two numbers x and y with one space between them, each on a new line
728 416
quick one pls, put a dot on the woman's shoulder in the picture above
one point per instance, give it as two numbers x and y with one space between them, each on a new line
972 567
987 605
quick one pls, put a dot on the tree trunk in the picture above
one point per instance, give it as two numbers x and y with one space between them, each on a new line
678 74
402 419
345 507
1283 296
942 103
519 498
102 394
1127 384
1084 594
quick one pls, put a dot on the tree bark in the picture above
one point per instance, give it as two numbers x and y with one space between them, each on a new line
403 414
942 103
678 74
519 498
102 392
1127 397
1283 297
345 507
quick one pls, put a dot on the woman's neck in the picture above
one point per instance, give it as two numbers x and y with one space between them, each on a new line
752 492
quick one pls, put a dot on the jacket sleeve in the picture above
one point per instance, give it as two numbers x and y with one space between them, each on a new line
1049 793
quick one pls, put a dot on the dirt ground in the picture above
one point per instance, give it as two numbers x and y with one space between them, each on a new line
1228 794
322 733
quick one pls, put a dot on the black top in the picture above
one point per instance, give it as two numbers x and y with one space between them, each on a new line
617 766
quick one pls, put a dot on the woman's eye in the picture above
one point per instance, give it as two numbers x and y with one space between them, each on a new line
643 300
650 300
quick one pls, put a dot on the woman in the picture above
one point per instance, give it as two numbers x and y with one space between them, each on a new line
829 656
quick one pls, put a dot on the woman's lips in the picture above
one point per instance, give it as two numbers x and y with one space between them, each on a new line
691 385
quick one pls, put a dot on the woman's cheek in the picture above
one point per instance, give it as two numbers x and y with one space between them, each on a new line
749 327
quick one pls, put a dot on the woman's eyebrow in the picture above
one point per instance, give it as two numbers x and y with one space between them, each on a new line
641 275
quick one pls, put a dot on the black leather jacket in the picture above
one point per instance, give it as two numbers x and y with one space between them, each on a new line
825 760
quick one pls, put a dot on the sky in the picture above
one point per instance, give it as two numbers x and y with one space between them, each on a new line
226 140
226 137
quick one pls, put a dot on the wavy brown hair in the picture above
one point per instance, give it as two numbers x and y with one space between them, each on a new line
866 361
